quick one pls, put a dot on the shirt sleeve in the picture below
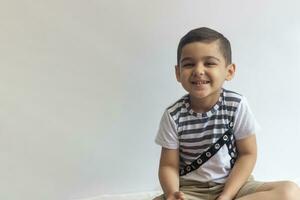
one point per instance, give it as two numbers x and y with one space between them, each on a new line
167 133
245 123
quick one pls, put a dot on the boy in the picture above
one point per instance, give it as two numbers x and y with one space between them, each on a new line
208 136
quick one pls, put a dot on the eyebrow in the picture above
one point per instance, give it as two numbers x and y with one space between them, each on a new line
205 57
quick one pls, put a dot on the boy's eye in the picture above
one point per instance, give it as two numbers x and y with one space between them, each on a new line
188 65
210 63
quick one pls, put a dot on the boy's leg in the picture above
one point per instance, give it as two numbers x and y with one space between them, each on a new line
282 190
161 197
188 195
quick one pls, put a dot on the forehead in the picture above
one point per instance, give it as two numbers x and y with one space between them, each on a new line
198 50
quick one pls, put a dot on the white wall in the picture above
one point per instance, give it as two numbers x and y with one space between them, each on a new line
83 85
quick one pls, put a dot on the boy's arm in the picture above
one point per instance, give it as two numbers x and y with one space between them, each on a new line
247 154
169 171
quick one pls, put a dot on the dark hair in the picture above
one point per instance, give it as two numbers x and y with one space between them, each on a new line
206 35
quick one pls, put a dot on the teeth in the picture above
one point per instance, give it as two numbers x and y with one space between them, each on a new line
201 82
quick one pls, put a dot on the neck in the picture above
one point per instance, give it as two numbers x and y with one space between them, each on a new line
201 105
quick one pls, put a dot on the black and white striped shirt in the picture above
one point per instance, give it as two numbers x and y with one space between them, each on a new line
193 133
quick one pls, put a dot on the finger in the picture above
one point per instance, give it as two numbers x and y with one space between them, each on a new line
180 195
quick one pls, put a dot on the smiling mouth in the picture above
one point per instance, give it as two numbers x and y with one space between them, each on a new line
202 82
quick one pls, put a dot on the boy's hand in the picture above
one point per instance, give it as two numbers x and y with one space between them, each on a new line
223 197
176 196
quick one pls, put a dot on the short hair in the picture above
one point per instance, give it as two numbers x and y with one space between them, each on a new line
206 35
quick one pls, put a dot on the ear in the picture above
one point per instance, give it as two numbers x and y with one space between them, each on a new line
177 72
230 72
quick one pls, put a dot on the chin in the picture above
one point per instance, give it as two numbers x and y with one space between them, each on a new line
199 96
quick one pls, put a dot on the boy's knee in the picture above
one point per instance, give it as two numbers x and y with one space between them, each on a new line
288 190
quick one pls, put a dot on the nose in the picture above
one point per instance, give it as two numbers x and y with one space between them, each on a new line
199 70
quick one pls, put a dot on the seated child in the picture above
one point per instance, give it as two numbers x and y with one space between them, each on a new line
208 136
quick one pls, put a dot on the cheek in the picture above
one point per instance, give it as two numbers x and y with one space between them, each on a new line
185 76
219 74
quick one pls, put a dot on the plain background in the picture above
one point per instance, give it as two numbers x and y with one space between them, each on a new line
83 85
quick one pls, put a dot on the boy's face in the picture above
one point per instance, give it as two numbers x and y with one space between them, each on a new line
202 70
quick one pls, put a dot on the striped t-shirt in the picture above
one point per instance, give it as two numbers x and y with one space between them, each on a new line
193 133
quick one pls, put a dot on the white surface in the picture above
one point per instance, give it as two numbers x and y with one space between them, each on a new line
132 196
83 85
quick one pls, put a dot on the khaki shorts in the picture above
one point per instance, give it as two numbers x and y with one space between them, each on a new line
194 190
